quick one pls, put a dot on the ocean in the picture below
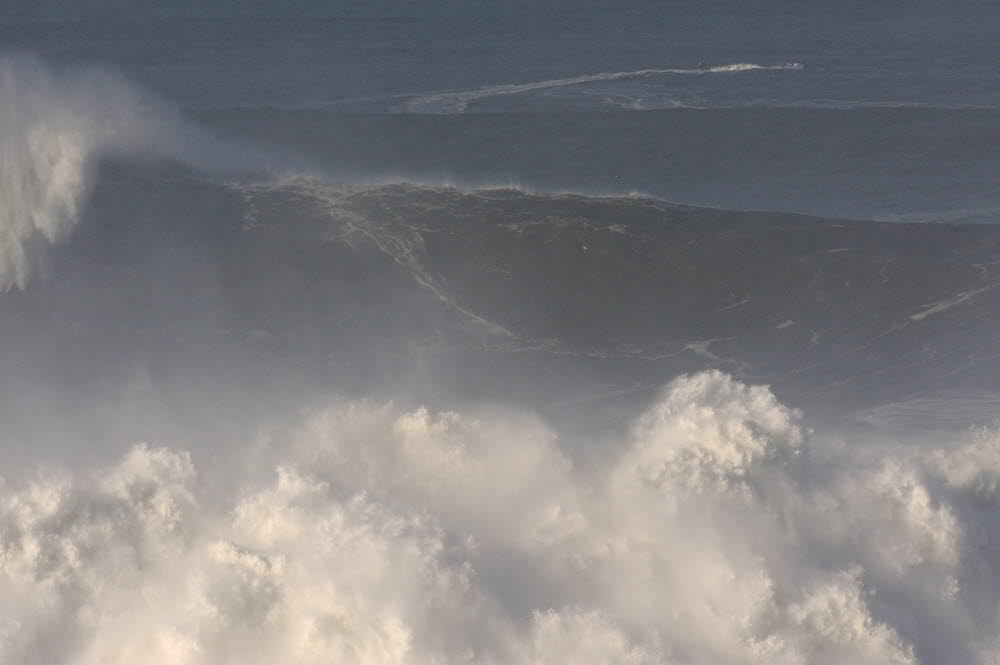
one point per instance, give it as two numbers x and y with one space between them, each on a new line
499 332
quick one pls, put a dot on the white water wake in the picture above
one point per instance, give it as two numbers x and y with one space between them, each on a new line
458 101
720 531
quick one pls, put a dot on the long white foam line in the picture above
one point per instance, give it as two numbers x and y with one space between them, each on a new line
55 126
457 101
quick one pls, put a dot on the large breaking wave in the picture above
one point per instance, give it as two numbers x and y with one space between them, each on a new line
718 529
715 526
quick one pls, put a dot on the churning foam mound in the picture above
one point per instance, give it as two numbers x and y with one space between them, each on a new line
55 126
723 532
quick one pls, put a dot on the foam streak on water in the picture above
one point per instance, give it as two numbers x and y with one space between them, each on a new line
458 101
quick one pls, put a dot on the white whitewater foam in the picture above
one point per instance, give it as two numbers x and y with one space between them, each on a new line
457 101
722 531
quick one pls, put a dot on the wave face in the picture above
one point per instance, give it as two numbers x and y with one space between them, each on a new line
718 530
416 285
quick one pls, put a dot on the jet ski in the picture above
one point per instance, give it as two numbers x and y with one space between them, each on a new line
793 64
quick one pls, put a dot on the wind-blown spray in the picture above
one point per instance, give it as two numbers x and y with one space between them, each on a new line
56 125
